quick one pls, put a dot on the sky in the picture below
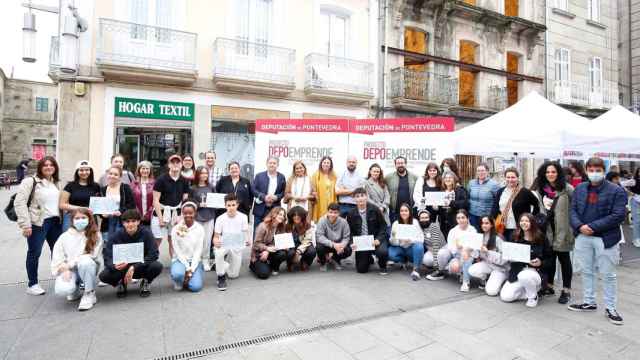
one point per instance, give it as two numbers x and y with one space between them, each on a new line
11 22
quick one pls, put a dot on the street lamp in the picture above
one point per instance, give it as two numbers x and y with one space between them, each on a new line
29 38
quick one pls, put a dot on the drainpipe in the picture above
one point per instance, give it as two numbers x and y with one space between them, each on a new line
381 58
630 57
386 56
546 53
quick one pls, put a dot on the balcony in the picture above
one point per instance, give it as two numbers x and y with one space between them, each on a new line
416 90
144 53
338 79
246 66
581 95
54 58
497 100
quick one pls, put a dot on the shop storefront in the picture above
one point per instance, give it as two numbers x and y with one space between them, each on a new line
152 130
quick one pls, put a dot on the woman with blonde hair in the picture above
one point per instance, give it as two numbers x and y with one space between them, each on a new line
324 182
299 191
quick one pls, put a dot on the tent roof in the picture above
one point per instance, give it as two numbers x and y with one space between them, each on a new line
533 126
616 131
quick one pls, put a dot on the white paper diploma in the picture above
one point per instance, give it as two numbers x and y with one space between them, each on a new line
471 241
215 200
128 253
283 241
435 198
102 205
516 252
233 241
363 243
405 232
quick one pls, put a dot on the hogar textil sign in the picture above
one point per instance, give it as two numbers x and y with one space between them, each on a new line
153 109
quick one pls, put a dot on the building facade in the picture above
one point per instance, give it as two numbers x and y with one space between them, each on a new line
29 120
582 55
629 53
161 76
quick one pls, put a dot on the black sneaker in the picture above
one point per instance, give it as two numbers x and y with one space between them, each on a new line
583 307
222 282
122 290
546 292
436 275
613 317
145 288
564 297
384 271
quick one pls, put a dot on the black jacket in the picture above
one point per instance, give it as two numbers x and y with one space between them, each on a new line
375 223
523 203
143 235
447 215
126 202
242 190
538 251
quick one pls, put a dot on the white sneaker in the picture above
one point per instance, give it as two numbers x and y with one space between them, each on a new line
177 287
206 264
102 284
275 273
323 268
533 302
86 302
464 287
35 290
415 276
636 242
75 296
134 281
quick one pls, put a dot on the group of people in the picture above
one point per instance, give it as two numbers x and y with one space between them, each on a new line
322 213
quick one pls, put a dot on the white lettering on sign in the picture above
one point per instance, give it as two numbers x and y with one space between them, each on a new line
135 107
174 110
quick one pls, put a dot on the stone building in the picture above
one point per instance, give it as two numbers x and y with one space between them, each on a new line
28 120
629 53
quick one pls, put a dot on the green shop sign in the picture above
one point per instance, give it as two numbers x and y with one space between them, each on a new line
154 109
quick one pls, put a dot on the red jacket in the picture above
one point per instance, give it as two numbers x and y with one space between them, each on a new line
137 196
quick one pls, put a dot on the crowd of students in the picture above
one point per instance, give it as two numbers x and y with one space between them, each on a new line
323 213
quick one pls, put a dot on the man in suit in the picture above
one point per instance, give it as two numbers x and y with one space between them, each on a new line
268 188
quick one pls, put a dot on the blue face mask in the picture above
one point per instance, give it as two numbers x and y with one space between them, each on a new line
80 224
595 176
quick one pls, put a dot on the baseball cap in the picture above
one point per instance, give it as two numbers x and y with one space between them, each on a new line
83 164
175 157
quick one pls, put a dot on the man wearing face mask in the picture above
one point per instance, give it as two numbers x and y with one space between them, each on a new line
597 210
433 241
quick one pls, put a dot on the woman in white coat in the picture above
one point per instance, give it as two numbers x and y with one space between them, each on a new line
490 266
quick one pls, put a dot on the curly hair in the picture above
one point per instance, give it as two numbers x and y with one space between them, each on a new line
541 177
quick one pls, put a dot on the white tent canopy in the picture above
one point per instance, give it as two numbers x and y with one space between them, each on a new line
616 131
533 127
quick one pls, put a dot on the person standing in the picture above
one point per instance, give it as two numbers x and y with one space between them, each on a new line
449 164
188 168
186 266
169 190
77 193
346 184
298 191
635 207
21 169
378 191
482 193
76 259
555 200
215 173
430 182
122 196
401 184
324 182
598 208
117 160
299 226
265 258
332 238
142 189
268 190
204 216
37 206
237 185
366 219
512 201
577 173
456 198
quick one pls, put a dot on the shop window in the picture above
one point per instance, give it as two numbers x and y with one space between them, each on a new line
513 65
511 7
234 141
42 104
467 79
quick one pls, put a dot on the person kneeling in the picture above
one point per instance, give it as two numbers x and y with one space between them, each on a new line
332 236
231 235
525 278
298 225
75 259
121 274
366 219
433 240
265 258
490 267
407 245
186 267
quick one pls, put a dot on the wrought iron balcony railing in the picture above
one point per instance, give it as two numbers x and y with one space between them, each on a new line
406 83
330 73
498 98
583 95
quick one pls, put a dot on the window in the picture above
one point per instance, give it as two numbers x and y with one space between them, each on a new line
562 61
595 74
42 104
163 20
254 22
139 10
333 33
594 10
562 4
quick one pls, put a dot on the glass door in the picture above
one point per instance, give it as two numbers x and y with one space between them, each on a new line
129 147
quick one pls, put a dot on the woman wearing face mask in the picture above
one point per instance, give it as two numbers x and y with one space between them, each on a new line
456 198
121 195
142 189
187 271
324 183
434 240
188 169
76 259
512 201
555 203
298 191
238 185
525 279
205 216
77 193
452 258
490 267
409 247
299 226
430 182
265 258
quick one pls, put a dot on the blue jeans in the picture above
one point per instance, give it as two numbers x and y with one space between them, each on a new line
474 220
413 253
114 225
66 221
592 255
197 279
635 213
345 208
50 231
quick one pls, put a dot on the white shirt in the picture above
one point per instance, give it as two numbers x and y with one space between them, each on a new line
455 237
70 246
349 181
416 235
504 199
227 224
48 196
187 244
301 187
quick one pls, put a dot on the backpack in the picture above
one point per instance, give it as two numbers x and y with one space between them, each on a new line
10 210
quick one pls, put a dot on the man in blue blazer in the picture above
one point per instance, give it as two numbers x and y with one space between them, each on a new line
268 188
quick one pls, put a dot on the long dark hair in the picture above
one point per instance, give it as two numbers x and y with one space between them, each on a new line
400 219
196 176
90 232
90 179
381 180
56 174
304 225
538 236
491 244
541 178
579 168
438 178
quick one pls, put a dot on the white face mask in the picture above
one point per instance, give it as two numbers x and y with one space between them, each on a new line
80 224
595 176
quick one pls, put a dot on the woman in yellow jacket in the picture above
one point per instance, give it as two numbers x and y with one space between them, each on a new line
324 183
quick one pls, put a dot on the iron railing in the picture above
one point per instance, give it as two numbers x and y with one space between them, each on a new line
423 86
338 74
253 61
581 94
498 98
144 46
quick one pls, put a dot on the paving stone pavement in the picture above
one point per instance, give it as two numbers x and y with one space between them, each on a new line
388 317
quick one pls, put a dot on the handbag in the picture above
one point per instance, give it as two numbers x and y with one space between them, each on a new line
501 221
10 209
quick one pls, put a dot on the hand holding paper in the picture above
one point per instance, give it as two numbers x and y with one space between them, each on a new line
215 200
283 241
364 243
516 252
472 241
